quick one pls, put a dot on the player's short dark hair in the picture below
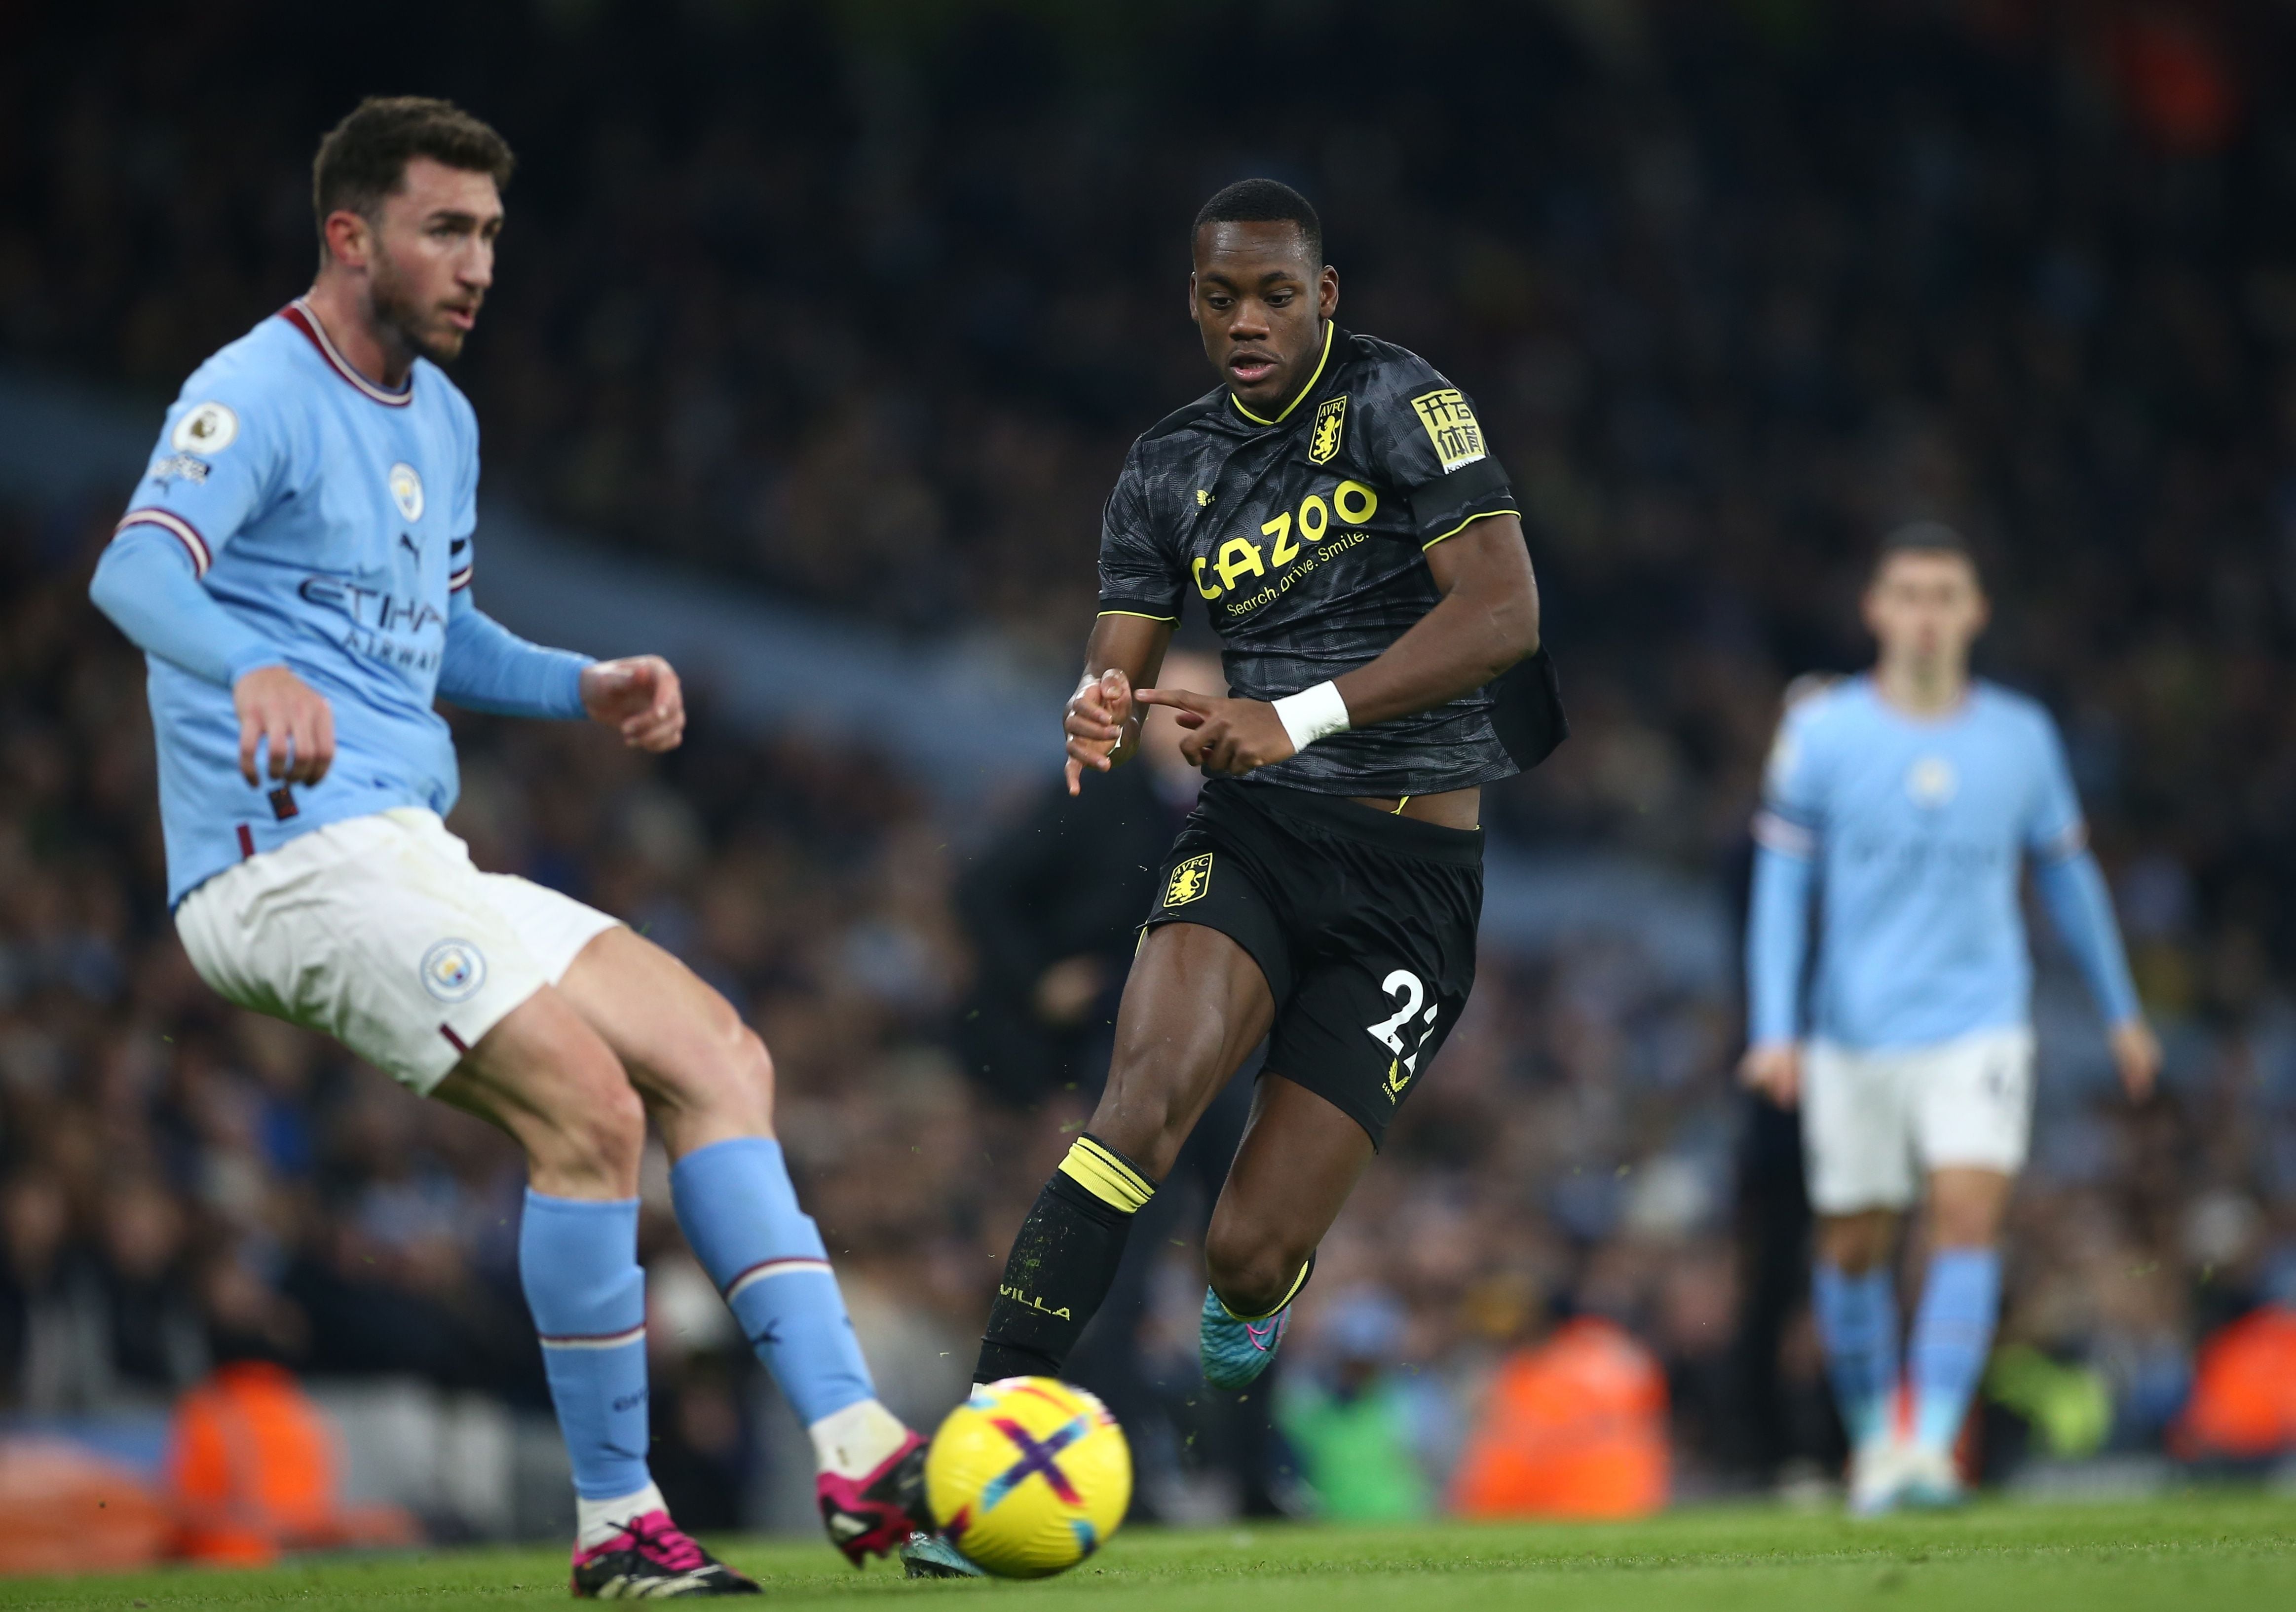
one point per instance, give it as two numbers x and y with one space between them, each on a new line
1264 201
1923 538
364 158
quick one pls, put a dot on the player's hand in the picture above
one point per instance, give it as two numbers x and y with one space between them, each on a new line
1772 1068
1095 723
289 721
641 696
1225 735
2136 1051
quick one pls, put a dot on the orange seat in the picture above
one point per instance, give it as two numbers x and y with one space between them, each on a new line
1575 1427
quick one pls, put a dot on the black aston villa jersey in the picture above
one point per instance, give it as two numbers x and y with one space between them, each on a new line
1304 537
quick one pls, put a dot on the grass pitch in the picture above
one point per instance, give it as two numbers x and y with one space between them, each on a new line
2212 1551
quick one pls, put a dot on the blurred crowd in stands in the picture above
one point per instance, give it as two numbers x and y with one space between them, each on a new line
866 312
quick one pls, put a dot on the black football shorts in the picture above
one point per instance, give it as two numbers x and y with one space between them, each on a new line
1362 922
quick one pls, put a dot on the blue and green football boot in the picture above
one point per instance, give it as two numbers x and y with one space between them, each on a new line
1236 1351
931 1555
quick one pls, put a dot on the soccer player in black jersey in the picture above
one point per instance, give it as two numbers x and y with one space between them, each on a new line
1332 507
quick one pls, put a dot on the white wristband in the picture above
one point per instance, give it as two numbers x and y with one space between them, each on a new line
1313 714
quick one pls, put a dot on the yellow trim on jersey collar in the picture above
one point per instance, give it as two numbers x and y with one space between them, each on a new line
1331 328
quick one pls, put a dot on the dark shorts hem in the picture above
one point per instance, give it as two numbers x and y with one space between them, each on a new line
1262 942
1362 922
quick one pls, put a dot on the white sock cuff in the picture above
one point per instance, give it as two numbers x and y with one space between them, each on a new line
596 1521
857 1440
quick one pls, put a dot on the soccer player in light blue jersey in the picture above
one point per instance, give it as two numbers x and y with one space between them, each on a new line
1904 806
297 566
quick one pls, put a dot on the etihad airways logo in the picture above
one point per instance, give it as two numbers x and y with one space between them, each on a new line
371 606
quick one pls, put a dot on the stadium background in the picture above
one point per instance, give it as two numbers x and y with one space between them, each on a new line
831 322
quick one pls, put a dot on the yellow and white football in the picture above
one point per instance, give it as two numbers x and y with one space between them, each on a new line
1028 1476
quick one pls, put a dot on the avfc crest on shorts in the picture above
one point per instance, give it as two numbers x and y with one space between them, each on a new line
1189 881
1331 420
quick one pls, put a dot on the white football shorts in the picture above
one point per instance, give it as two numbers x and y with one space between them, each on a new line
379 931
1875 1123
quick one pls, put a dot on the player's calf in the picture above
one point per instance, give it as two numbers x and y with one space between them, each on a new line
718 1086
1064 1262
708 1082
741 1215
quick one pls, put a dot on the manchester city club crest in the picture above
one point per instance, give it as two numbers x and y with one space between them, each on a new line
1932 782
453 970
407 490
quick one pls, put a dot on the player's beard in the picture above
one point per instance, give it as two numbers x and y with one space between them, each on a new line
421 328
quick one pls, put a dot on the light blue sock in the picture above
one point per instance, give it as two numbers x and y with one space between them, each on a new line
1857 1328
766 1255
1953 1336
577 1260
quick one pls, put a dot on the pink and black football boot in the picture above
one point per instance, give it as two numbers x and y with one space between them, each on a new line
652 1559
874 1515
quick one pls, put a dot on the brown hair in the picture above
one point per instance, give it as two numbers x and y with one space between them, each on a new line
1924 537
364 158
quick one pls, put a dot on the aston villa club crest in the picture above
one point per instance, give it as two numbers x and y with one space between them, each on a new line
1189 881
1331 423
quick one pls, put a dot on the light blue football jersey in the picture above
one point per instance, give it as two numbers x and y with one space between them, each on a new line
1919 828
334 517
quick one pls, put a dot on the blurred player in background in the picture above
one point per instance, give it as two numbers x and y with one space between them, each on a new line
297 566
1910 798
1332 506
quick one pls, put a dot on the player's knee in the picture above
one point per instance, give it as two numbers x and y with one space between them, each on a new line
1250 1269
750 1070
597 1129
729 1071
1854 1244
1960 1226
608 1129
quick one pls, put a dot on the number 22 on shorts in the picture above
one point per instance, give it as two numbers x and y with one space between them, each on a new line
1404 985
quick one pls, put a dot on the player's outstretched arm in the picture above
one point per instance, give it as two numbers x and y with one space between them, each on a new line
147 586
1778 943
489 667
1102 718
2081 907
1486 621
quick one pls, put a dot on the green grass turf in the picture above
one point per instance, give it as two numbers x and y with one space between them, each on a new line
2214 1552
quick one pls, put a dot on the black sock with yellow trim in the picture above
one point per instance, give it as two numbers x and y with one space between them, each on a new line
1064 1262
